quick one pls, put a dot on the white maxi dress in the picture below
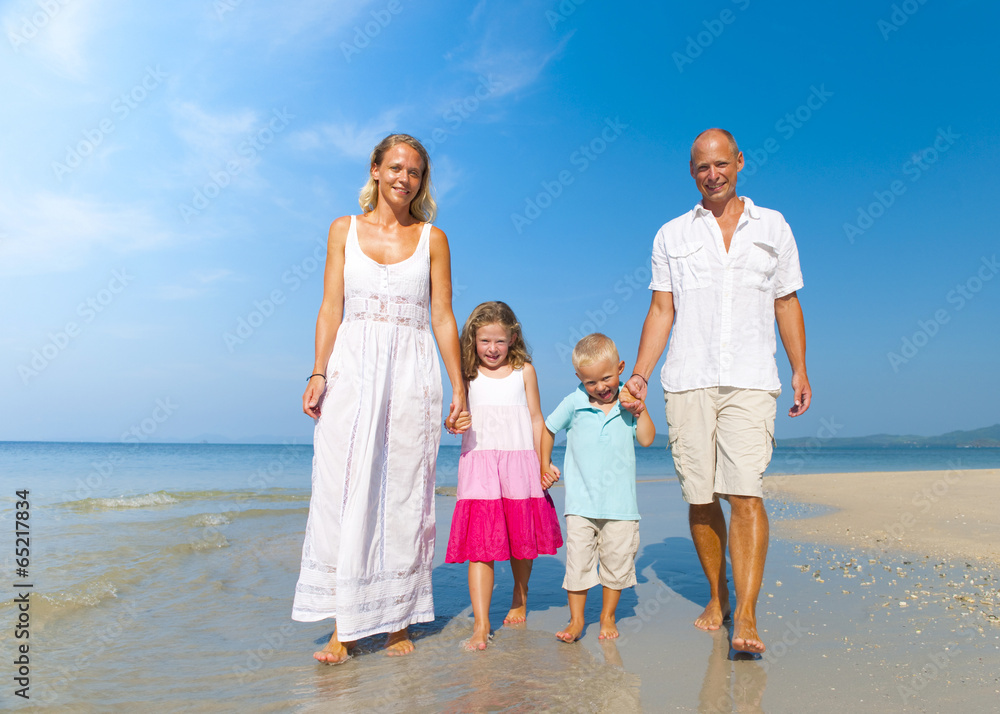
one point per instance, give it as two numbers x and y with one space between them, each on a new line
369 540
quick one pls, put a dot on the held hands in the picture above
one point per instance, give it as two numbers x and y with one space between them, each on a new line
550 474
633 397
462 423
459 420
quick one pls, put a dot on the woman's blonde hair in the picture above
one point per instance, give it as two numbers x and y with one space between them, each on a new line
492 313
422 207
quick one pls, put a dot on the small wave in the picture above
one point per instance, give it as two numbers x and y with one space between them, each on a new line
211 519
163 498
160 498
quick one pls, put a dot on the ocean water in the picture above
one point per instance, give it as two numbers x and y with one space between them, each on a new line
164 574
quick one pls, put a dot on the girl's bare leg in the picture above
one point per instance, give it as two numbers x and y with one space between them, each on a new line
481 592
519 602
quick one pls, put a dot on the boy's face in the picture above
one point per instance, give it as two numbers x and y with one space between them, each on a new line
600 379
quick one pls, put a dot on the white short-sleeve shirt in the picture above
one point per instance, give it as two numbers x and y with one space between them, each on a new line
723 330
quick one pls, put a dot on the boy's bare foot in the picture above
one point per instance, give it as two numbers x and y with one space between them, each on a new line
334 652
571 633
745 637
714 615
399 643
516 615
609 629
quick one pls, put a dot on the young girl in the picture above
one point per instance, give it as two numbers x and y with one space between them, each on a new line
502 512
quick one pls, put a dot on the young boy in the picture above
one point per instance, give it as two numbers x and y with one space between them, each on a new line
602 517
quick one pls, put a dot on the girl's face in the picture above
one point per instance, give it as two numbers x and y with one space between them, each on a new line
492 344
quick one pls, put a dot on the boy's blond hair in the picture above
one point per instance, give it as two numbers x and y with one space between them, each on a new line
594 348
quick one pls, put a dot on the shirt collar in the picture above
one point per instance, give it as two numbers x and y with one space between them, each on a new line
748 208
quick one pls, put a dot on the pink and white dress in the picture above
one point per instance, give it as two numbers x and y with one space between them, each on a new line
502 510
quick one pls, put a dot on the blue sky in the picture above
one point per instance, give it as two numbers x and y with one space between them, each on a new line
171 170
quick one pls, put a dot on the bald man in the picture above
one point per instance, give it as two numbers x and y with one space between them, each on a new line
723 273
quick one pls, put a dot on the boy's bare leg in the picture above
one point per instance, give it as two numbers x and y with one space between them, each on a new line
481 592
335 651
572 631
519 602
748 551
609 628
708 531
399 643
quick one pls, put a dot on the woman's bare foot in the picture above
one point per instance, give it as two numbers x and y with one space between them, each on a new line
609 629
572 632
516 615
335 652
399 643
745 637
713 616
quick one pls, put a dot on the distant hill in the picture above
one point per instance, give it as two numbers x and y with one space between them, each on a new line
985 438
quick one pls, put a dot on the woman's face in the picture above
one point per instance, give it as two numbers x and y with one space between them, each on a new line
399 175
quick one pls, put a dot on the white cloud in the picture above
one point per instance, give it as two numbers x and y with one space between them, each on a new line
350 139
54 34
46 233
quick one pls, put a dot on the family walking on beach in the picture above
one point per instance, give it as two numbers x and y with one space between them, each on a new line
722 275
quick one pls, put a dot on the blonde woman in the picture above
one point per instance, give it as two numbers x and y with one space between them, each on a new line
375 393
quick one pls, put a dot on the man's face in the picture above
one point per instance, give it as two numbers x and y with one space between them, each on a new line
600 379
714 168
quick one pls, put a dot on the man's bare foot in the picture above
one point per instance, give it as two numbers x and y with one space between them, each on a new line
609 629
745 637
399 643
571 633
334 652
516 615
714 615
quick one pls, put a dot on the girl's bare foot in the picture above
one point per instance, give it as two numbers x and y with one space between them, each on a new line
609 629
480 637
516 615
399 643
571 633
335 652
745 637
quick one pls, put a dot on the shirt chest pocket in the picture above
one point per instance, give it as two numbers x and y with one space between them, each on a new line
689 268
761 265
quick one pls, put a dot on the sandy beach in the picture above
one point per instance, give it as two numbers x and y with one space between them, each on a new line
858 615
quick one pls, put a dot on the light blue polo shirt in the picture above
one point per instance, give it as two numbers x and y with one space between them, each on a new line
599 472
